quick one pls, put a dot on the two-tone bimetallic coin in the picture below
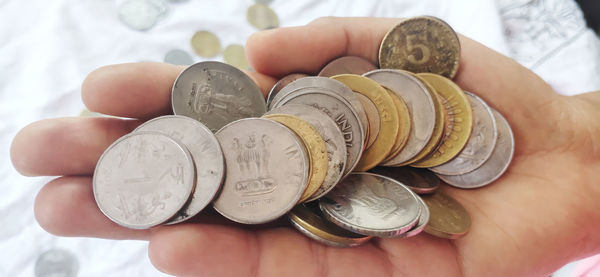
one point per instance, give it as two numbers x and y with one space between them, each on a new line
286 80
448 218
215 94
419 180
334 141
347 65
372 205
493 167
206 154
480 144
267 170
143 179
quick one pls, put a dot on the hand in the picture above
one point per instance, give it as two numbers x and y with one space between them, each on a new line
541 214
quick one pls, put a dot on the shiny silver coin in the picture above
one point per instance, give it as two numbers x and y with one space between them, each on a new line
56 263
143 179
142 15
334 141
420 106
423 220
480 145
340 110
267 170
372 205
281 84
419 180
206 154
178 57
315 83
492 168
215 94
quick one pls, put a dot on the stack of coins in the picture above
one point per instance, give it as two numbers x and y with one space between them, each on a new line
355 138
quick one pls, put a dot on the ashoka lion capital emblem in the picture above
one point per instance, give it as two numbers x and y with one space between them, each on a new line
253 162
206 100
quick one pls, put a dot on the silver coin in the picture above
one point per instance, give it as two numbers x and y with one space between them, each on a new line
315 83
420 106
480 145
178 57
206 154
142 15
334 141
267 170
143 179
492 168
215 94
56 263
340 110
372 205
423 220
281 84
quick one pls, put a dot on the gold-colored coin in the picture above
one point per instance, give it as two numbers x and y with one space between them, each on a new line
403 127
311 223
206 44
262 17
234 54
388 115
315 145
372 129
448 219
459 121
421 44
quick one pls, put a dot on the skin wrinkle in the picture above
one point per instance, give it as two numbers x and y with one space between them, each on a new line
389 258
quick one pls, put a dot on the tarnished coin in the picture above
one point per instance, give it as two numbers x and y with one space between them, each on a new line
423 220
421 107
178 57
314 143
142 15
347 65
419 180
234 54
448 218
310 222
262 17
281 84
371 205
492 168
215 94
334 141
479 146
373 120
404 125
206 44
143 179
267 170
459 120
340 110
387 113
421 44
206 154
56 263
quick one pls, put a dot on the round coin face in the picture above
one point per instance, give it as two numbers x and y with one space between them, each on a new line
215 94
419 180
267 170
492 168
371 204
347 65
421 107
262 17
281 84
206 44
143 179
334 141
56 263
480 144
178 57
235 55
421 44
206 154
448 218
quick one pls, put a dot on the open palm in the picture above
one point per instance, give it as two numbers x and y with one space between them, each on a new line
541 214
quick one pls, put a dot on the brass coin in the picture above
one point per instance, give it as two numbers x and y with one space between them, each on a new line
206 44
403 127
235 55
448 218
421 44
387 113
315 145
459 121
262 17
373 119
309 221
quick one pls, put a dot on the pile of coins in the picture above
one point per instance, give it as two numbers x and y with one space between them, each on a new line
342 153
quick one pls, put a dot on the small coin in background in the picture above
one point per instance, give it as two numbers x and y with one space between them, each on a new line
56 263
206 44
419 180
264 2
178 57
281 84
448 218
234 54
347 65
262 17
141 15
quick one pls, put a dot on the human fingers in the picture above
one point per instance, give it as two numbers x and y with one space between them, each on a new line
140 90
